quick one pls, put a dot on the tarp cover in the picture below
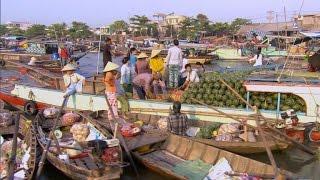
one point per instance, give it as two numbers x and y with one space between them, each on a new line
193 170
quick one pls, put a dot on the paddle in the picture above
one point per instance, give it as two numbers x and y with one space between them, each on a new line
12 161
120 137
51 135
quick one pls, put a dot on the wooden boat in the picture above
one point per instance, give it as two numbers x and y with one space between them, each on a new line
176 150
235 147
13 56
81 167
8 80
28 135
309 93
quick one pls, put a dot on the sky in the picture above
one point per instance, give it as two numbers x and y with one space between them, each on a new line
102 12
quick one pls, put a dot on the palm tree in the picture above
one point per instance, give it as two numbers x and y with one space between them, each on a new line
140 22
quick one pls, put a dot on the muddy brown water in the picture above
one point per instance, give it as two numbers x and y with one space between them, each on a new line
292 160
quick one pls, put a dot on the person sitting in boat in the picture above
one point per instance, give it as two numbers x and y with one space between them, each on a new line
257 59
200 69
111 74
32 61
177 123
192 77
73 81
142 85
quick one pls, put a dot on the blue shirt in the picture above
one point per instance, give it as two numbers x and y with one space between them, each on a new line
133 60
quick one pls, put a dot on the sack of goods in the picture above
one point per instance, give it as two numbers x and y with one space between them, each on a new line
74 152
69 118
129 130
111 155
6 119
163 124
50 112
80 132
232 128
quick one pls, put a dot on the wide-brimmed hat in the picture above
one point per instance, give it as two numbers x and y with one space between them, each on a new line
155 52
68 67
142 55
110 66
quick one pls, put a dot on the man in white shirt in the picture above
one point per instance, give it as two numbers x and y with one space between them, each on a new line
192 77
174 64
73 81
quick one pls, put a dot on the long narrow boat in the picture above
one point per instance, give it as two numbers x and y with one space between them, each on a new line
28 136
241 147
171 156
85 166
309 93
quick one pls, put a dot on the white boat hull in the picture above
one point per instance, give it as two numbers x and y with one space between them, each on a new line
96 103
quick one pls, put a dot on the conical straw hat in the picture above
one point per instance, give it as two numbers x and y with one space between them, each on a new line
155 52
142 55
68 67
110 66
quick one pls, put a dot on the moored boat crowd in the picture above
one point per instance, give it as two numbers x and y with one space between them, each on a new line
178 112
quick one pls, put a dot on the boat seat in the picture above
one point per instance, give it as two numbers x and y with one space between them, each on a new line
164 159
87 163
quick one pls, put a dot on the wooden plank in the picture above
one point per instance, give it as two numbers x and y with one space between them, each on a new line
144 139
90 163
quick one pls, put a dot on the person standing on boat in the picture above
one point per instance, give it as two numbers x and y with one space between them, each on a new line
107 54
126 76
174 64
73 81
177 122
142 85
142 65
156 62
110 77
64 55
257 58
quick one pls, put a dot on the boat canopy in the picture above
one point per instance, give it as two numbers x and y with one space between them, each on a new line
311 34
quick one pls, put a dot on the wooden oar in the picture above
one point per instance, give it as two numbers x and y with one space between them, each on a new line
12 161
120 137
51 136
301 146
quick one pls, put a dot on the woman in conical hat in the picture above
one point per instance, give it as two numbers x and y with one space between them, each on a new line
110 77
142 65
156 62
73 81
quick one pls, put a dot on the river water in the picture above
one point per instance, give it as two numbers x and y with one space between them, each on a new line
292 160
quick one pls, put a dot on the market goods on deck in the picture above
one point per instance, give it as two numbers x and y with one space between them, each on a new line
211 91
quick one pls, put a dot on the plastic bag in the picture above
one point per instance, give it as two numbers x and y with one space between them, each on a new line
50 112
80 132
229 128
163 123
69 118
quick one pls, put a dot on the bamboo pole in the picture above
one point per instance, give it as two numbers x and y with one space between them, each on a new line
120 137
301 146
12 161
51 136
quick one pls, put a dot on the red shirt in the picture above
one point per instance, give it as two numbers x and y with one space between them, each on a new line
64 53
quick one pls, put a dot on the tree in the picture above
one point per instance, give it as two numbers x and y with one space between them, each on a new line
36 30
15 31
152 30
237 23
119 26
202 22
220 28
57 30
3 30
188 29
79 30
140 23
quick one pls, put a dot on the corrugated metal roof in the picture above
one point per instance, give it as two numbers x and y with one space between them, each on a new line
267 27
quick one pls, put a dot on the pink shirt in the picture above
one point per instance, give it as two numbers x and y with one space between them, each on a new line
142 66
143 80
